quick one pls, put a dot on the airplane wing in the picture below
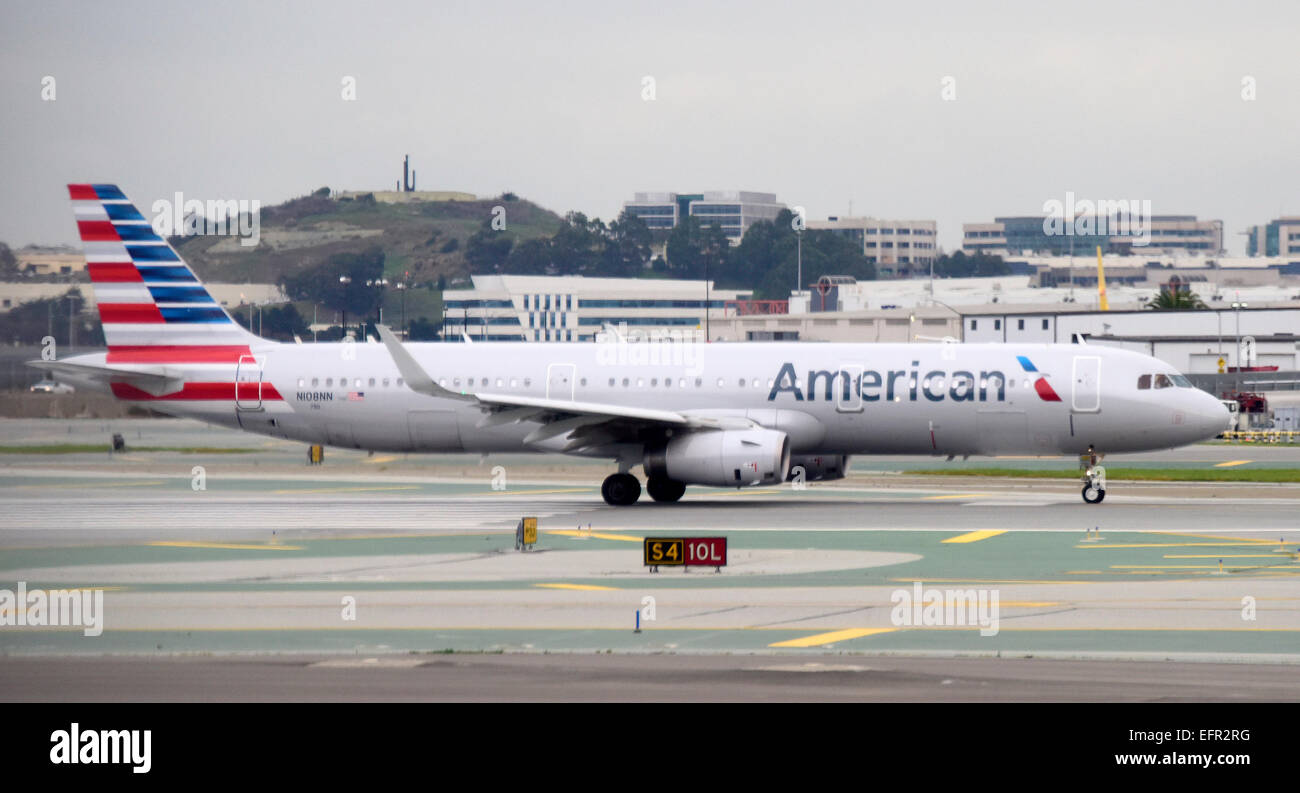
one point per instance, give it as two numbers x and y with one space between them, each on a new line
584 423
154 381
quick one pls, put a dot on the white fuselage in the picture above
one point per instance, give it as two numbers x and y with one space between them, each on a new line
829 398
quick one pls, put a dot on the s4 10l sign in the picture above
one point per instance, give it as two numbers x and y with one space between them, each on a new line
686 551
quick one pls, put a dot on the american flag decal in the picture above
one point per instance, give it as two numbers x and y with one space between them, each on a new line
356 396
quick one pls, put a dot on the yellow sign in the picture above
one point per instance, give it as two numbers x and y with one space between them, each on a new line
1222 364
661 551
530 531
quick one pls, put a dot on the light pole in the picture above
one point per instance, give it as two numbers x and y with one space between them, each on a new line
1236 376
382 283
798 246
72 329
401 287
345 280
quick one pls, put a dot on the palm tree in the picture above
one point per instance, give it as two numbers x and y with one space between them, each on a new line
1176 296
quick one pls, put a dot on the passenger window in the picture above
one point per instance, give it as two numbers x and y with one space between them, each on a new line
1144 382
625 382
372 382
315 381
329 381
654 381
742 382
385 382
399 382
1163 381
302 383
611 382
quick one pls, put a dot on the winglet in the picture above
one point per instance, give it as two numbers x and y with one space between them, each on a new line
417 379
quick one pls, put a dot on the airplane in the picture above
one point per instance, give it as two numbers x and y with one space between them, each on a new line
712 414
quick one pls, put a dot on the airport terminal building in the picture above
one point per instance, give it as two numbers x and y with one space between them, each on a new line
574 308
733 210
898 248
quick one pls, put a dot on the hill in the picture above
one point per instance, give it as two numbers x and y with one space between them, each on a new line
426 239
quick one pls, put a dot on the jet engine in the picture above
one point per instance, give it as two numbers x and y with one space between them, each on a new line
722 458
819 467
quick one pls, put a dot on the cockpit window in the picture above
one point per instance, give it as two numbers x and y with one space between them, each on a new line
1163 381
1181 382
1144 381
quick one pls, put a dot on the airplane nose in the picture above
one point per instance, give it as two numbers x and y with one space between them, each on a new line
1210 416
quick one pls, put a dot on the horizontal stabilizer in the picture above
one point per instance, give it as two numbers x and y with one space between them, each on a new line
155 382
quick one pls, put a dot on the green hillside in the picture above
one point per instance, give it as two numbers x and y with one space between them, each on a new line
423 239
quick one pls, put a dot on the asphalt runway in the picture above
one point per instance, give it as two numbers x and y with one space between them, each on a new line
624 678
236 548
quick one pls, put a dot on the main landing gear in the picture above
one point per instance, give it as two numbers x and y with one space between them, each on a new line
619 490
622 489
663 489
1094 477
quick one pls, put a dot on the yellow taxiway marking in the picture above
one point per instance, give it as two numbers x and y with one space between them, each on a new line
1176 545
955 495
376 460
1211 536
64 485
534 492
1030 604
817 640
1231 463
344 489
1165 566
227 546
1221 556
600 535
578 587
976 536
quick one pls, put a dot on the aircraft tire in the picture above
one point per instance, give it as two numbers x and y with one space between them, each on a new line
620 490
665 490
1100 494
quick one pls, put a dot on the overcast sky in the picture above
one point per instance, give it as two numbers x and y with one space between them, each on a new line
820 103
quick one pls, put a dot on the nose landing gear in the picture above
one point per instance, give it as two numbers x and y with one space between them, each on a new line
1094 477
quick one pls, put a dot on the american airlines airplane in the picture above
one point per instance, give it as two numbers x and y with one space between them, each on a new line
721 415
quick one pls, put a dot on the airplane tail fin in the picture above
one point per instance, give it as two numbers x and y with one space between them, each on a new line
152 306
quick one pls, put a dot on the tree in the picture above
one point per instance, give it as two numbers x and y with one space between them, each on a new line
322 284
1176 296
487 249
627 247
530 257
30 322
421 329
281 322
578 245
961 265
8 263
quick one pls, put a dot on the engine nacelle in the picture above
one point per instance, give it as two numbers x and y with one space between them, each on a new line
722 458
819 467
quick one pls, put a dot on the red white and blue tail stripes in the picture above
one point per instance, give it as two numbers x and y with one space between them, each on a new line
155 312
153 308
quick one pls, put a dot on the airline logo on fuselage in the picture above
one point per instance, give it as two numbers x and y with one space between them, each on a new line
935 386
